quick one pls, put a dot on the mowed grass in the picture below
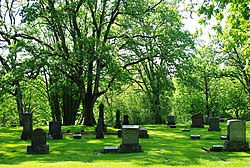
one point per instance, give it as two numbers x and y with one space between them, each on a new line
164 147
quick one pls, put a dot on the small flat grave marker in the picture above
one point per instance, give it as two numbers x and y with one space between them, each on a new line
223 137
172 126
185 130
216 148
111 149
195 136
77 136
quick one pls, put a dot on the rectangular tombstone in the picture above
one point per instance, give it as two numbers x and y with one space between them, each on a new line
171 119
214 124
38 143
197 121
236 136
27 126
55 130
130 134
130 139
143 133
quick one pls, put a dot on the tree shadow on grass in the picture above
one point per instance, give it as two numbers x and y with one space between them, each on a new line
165 146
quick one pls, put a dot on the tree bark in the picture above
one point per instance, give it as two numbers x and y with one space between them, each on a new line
19 102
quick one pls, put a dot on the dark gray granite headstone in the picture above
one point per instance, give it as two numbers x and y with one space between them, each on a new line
130 139
27 126
171 119
197 121
99 132
236 136
38 143
143 133
55 130
125 120
214 124
101 115
118 121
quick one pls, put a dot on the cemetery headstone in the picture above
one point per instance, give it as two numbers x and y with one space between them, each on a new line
236 136
223 137
111 149
55 130
118 124
197 121
27 126
125 120
38 144
195 136
214 124
130 139
99 132
77 136
101 115
216 148
143 133
185 130
119 133
171 119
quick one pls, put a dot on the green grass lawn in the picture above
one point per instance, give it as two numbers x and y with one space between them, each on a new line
164 147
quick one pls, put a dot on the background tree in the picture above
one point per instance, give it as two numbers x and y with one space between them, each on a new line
87 40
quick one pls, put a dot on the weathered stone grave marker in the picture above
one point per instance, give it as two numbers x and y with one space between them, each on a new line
143 133
99 132
171 119
27 126
130 139
38 144
118 124
77 136
236 136
111 149
216 148
195 136
125 120
223 137
55 130
214 124
185 130
101 115
197 121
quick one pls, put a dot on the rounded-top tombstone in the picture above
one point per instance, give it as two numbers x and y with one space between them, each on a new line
171 119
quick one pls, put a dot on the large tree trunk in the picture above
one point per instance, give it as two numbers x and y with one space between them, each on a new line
89 119
156 109
55 106
71 103
19 102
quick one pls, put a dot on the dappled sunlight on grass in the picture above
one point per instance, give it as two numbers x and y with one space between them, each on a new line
164 147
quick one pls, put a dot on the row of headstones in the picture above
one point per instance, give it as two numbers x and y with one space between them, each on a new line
54 128
197 122
130 141
236 132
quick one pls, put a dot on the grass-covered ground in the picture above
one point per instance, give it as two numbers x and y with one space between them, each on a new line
164 147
